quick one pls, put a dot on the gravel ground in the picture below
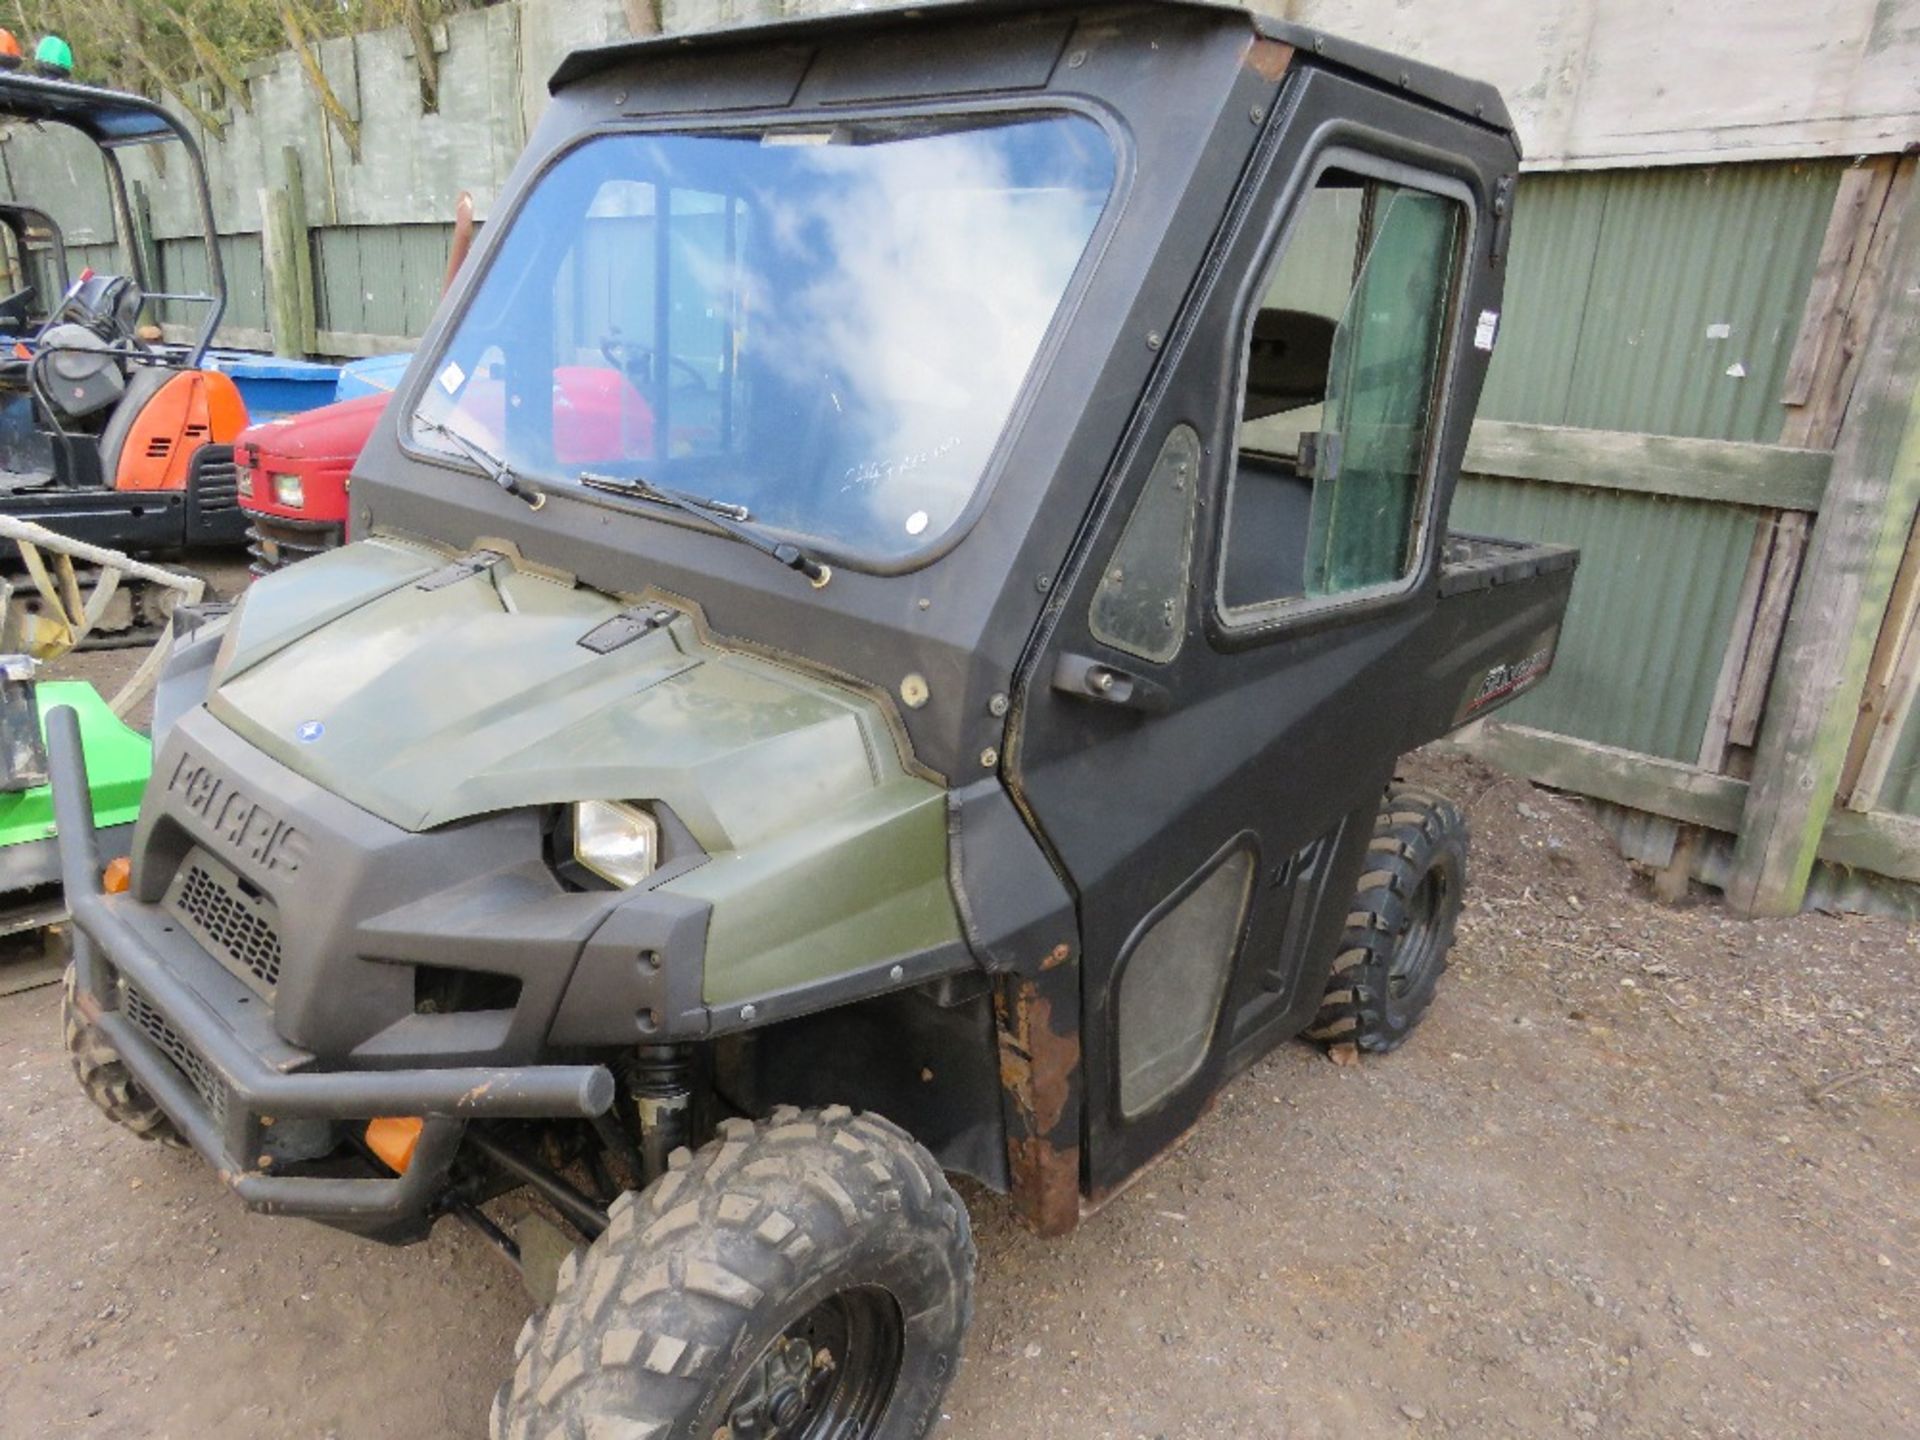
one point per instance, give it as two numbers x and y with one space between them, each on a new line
1645 1171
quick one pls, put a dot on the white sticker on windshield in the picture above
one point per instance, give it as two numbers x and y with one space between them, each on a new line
452 378
1483 332
916 522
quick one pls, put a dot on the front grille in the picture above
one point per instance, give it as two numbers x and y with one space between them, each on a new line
188 1061
215 479
237 926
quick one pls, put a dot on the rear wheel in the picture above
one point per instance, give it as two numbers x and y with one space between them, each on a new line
1400 927
105 1077
806 1278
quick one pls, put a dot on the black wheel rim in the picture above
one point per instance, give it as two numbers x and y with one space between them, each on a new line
1419 943
827 1376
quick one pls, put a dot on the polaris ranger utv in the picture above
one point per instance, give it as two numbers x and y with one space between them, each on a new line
882 621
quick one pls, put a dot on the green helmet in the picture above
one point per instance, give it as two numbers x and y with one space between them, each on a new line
53 53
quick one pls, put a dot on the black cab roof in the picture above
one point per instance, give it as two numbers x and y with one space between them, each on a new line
107 117
1471 99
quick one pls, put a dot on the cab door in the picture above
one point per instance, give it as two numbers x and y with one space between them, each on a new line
1211 713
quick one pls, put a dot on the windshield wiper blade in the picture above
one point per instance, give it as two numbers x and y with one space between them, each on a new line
729 519
493 466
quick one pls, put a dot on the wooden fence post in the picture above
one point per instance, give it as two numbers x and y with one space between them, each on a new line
144 245
302 251
285 245
1848 574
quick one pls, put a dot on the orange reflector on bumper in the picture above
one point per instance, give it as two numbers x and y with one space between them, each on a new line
117 876
392 1138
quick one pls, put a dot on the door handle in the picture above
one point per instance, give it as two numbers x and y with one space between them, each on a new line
1103 684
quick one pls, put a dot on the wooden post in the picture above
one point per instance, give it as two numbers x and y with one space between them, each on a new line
1851 561
289 319
302 250
144 245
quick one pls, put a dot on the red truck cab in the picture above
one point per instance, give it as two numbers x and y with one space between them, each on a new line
293 479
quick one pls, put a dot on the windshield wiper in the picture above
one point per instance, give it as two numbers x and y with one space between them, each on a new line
729 519
495 468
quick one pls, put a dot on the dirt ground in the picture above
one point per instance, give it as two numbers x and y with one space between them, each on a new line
1645 1171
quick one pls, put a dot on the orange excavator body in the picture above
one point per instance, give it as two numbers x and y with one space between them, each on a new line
194 408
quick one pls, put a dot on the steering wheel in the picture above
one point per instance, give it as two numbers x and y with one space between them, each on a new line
637 363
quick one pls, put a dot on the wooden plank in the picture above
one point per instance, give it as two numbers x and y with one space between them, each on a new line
1818 423
238 337
1885 843
280 243
1852 559
357 346
140 206
1893 679
1769 625
1622 777
1856 207
1713 743
302 248
1775 477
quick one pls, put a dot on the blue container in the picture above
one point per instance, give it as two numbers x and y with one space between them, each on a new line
376 375
273 386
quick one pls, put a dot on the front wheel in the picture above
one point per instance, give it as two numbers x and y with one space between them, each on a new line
806 1278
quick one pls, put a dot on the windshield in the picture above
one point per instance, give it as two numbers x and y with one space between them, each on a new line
826 327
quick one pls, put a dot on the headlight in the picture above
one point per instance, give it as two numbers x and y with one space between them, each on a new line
287 492
620 843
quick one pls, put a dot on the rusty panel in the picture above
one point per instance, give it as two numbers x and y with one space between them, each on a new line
1652 607
1665 301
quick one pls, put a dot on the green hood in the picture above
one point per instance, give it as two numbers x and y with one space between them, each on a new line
428 705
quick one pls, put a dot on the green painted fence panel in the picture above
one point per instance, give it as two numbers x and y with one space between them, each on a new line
183 264
1666 301
1653 604
379 279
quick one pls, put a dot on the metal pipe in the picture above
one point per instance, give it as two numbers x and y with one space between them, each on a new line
507 1092
72 814
586 1217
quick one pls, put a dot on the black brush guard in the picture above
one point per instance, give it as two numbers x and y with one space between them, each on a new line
110 943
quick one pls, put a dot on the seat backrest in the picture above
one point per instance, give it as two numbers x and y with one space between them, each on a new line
147 382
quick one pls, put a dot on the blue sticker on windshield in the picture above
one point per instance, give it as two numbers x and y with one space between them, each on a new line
309 731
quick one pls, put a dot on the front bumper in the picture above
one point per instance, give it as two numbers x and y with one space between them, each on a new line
226 1079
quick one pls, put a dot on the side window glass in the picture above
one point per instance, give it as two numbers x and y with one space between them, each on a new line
1342 373
1140 605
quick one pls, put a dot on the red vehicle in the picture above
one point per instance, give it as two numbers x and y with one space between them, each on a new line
293 479
294 471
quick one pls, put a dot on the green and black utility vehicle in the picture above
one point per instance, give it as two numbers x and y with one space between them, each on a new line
888 605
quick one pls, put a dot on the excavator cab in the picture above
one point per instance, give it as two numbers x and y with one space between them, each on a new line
114 429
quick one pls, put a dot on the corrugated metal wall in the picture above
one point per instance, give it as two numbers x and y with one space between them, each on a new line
1657 301
1622 283
1652 607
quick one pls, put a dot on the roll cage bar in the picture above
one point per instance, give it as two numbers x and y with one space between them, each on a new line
113 120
